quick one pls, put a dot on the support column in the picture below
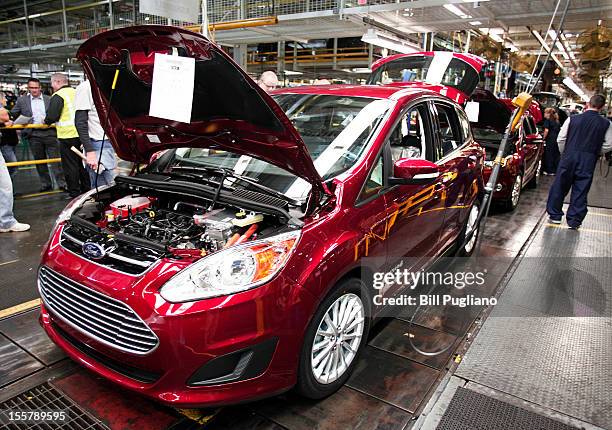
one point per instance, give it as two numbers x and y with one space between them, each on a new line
280 57
370 55
27 22
64 21
205 19
243 10
240 55
335 58
110 14
295 63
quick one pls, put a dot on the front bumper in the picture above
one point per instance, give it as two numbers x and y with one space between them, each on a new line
200 344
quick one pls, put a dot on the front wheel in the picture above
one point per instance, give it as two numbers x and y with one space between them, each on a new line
334 338
470 232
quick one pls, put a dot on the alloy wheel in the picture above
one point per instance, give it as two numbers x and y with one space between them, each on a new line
472 226
516 190
337 339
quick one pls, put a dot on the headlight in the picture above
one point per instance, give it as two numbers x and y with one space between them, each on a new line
67 212
231 270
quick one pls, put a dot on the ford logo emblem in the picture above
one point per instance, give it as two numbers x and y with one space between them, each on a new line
93 250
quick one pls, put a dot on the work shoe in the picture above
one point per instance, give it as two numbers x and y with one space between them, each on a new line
18 226
573 227
554 221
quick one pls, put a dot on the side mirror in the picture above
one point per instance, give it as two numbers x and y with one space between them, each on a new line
411 171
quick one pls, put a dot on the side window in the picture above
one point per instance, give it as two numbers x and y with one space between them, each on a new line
450 137
532 124
466 130
375 181
411 138
528 126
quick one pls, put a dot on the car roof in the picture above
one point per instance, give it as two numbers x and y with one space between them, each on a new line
373 91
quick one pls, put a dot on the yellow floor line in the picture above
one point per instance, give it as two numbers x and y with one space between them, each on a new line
8 262
563 227
44 193
19 308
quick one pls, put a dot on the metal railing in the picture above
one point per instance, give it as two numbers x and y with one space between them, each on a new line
94 17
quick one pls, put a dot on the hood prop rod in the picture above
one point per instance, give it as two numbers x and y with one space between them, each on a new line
106 125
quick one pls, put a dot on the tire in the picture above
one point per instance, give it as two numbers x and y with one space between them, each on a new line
515 194
533 183
468 249
316 382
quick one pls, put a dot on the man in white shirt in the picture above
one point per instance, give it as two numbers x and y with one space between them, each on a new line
43 141
91 134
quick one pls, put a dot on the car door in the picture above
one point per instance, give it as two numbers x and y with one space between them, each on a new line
416 210
371 214
457 159
531 142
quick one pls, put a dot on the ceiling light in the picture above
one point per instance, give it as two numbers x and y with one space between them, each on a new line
569 82
496 37
387 41
475 23
292 72
455 10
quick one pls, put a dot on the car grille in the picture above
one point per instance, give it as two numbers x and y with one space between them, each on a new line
96 315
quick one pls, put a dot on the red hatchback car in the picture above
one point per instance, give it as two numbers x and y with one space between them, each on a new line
522 163
228 269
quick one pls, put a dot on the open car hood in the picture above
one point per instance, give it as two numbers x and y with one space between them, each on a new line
457 74
229 111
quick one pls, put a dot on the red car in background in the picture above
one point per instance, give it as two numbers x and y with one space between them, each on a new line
229 268
522 160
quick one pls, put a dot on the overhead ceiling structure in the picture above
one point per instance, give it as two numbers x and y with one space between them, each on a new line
49 31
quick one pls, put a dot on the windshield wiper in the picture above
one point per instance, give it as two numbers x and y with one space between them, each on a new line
226 172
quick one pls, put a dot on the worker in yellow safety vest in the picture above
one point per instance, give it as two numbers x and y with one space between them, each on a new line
61 113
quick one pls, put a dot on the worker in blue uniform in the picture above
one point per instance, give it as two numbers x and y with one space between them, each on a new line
581 141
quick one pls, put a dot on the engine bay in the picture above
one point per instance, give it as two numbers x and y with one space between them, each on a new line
138 226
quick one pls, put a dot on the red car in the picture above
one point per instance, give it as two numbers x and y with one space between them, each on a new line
229 268
522 163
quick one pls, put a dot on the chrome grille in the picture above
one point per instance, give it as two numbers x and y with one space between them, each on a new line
96 315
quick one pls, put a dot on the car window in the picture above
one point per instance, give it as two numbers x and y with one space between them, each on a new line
448 126
466 130
375 180
409 138
526 127
532 125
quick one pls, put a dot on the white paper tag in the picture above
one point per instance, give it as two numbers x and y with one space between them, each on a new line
153 138
472 110
172 92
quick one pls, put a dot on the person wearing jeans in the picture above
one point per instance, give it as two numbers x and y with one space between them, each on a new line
8 223
90 131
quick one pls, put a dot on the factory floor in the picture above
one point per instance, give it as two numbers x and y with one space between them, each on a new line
557 365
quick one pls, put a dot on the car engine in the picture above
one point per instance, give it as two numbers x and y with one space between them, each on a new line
132 230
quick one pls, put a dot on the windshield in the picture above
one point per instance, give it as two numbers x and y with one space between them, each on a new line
335 129
433 69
